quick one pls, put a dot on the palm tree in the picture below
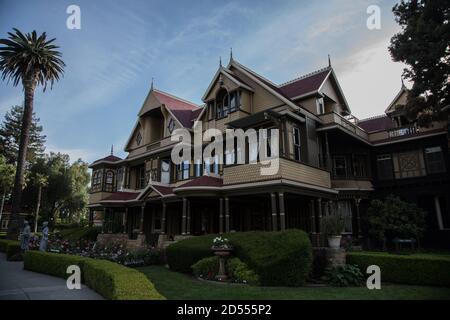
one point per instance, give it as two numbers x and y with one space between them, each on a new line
32 61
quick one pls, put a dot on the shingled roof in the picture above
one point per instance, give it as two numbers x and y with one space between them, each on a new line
203 181
377 123
305 84
121 196
183 110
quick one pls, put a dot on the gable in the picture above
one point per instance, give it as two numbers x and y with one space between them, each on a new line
400 99
132 141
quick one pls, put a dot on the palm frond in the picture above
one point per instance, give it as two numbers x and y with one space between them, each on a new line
30 57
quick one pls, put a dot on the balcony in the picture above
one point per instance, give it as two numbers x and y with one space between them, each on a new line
333 119
288 169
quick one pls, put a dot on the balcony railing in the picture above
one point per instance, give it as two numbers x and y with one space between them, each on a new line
403 131
337 119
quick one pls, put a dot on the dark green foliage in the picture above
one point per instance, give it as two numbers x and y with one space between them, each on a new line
109 279
10 135
416 269
278 258
80 233
422 45
240 272
12 249
393 218
344 276
206 268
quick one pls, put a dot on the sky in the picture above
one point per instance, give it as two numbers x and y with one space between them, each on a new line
122 45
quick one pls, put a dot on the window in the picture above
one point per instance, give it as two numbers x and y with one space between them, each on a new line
320 106
198 168
183 170
109 182
140 181
359 165
345 209
222 104
234 101
384 167
434 160
171 125
119 178
97 181
340 166
138 138
165 171
297 143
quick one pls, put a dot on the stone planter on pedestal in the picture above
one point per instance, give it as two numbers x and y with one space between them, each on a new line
222 253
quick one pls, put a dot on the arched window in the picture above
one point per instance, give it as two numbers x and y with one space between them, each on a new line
109 181
96 181
222 103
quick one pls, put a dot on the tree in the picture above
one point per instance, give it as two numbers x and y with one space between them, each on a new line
423 45
32 61
7 172
393 218
10 136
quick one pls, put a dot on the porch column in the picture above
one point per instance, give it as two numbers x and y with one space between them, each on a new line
163 218
312 216
141 223
273 201
227 215
282 213
220 215
188 223
183 217
358 217
319 215
124 220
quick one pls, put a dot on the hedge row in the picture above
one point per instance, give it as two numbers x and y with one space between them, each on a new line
11 248
109 279
415 269
79 233
278 258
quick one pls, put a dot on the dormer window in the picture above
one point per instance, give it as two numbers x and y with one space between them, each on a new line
171 125
320 106
139 138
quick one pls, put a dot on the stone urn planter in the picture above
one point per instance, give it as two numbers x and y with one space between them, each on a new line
223 253
334 242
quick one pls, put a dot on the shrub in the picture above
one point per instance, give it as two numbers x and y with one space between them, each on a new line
109 279
14 252
12 249
206 268
278 258
416 269
183 254
240 272
2 235
79 233
333 225
344 276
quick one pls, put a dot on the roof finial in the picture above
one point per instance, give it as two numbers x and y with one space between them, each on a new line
151 87
329 61
112 149
231 53
220 61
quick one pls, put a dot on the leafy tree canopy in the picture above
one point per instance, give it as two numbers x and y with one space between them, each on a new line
423 45
10 136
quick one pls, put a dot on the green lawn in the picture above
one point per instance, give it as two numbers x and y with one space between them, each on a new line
177 286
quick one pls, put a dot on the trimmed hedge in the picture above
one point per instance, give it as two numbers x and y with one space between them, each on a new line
415 269
278 258
109 279
12 249
80 233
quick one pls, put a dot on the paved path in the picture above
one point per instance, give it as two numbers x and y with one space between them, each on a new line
19 284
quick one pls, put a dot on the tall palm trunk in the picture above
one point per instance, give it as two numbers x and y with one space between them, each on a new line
16 222
37 208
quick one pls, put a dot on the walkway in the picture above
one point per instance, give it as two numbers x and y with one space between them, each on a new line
19 284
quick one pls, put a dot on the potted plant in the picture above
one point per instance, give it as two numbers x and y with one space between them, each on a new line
222 249
333 226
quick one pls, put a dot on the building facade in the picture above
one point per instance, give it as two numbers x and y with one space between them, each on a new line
329 162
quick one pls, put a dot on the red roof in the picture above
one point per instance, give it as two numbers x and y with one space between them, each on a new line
203 181
181 109
109 158
377 123
163 189
305 84
124 196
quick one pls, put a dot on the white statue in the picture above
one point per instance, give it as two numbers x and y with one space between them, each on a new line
25 237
